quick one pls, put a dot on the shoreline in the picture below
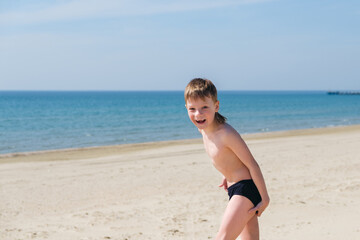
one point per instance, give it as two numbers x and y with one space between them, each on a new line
169 190
109 150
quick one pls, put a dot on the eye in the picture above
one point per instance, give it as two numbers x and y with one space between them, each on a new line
191 109
205 106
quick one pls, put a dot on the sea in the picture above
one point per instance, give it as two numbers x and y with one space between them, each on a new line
48 120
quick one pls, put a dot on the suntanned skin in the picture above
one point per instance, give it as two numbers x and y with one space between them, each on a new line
223 158
232 158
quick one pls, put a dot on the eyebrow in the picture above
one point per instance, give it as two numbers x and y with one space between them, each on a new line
202 105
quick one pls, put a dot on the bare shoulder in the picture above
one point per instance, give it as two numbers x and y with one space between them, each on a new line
229 130
234 142
228 133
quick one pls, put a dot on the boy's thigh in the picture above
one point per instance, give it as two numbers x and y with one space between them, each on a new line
251 229
236 216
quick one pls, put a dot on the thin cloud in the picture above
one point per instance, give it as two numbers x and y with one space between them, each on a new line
86 9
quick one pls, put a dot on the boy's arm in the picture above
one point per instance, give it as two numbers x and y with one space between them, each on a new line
234 141
224 184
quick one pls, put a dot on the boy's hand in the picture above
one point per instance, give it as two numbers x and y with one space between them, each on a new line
259 209
224 184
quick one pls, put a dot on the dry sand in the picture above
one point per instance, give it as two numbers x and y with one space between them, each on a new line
169 190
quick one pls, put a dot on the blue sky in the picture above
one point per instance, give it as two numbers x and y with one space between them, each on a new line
161 45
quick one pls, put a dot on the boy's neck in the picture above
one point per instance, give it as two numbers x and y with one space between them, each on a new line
211 129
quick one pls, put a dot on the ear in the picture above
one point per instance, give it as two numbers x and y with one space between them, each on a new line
217 106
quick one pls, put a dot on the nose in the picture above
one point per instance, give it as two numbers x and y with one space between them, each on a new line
198 113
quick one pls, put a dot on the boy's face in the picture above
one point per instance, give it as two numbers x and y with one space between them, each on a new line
202 111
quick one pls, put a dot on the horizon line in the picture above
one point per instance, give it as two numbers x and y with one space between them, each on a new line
168 90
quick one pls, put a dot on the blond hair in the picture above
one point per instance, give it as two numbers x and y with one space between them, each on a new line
201 88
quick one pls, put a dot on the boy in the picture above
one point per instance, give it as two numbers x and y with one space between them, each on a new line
243 179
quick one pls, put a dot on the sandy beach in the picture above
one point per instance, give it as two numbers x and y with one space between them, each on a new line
169 190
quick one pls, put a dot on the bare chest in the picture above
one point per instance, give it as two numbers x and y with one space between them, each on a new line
221 156
215 150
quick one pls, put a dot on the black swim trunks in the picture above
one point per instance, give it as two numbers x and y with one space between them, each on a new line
246 188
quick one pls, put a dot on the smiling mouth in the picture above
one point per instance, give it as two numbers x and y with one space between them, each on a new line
200 121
